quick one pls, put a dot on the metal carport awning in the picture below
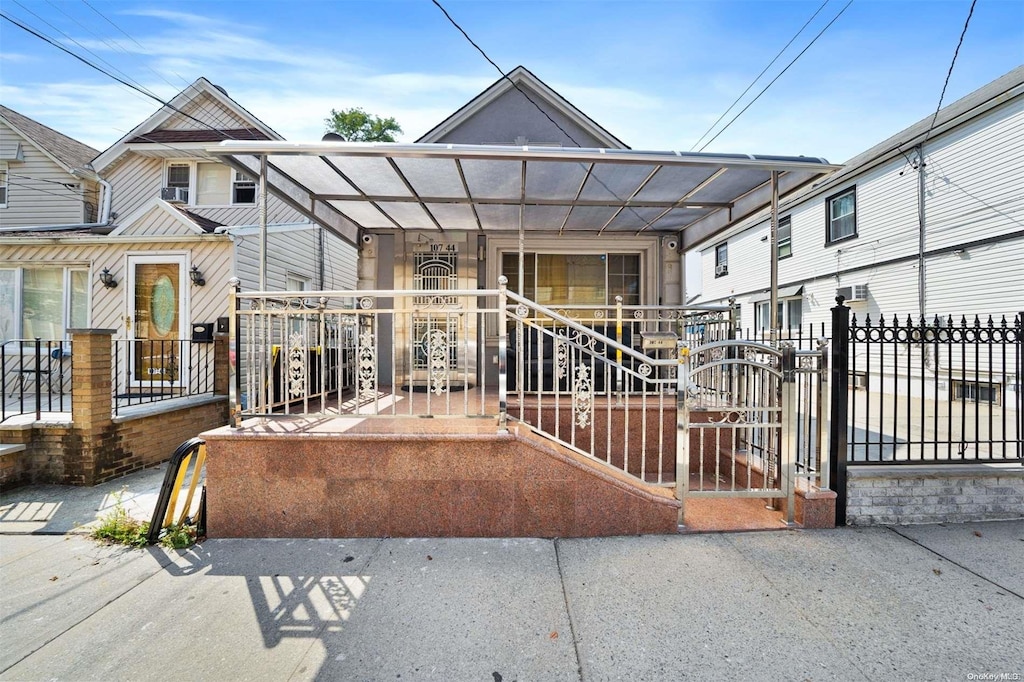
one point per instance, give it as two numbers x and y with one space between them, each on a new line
353 187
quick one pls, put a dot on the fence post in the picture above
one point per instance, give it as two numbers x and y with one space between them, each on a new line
234 348
682 425
734 319
618 353
93 392
823 415
839 419
787 462
503 355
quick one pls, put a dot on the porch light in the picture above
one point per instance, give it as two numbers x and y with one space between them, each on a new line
197 276
107 277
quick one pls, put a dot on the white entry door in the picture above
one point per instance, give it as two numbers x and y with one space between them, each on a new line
157 320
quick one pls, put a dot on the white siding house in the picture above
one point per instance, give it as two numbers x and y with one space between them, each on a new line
928 223
44 175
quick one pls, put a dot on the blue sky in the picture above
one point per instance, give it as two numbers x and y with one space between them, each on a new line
656 74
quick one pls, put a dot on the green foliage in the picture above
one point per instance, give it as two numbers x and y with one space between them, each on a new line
118 528
355 125
179 537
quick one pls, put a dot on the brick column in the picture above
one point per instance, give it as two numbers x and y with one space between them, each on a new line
91 410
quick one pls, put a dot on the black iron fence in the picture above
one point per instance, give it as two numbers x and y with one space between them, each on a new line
930 391
151 371
35 377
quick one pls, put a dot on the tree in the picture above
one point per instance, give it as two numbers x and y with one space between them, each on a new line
355 125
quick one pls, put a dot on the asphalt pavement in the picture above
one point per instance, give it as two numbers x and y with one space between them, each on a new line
912 602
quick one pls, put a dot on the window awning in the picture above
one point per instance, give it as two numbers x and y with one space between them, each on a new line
784 292
349 187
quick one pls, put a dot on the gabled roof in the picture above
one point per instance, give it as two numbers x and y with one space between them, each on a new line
149 130
192 222
65 151
521 76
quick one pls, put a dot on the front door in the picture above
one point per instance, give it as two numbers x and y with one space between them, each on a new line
157 310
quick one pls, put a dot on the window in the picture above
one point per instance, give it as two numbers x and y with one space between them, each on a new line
296 282
43 302
790 314
243 190
976 392
722 259
3 184
841 215
179 175
210 184
583 279
785 238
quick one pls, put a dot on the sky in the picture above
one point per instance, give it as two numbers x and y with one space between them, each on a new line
655 74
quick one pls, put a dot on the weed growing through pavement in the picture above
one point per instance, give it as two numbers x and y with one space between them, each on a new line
118 528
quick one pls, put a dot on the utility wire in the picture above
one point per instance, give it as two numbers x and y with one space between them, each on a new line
949 73
503 74
85 61
733 119
137 86
763 71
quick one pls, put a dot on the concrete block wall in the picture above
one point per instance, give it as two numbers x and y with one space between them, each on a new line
884 495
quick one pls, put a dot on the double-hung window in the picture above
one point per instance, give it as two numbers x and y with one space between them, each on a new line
785 237
203 183
3 184
841 210
790 314
722 259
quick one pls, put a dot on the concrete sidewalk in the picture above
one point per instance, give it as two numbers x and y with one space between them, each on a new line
922 603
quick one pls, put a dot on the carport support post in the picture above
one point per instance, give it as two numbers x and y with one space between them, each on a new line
840 381
774 241
263 222
682 425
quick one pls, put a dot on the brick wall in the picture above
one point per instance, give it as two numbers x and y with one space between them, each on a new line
94 446
934 494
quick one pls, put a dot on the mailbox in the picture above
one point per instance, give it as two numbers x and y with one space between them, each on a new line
659 340
202 331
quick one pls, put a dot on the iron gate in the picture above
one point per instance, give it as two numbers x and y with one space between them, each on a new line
736 422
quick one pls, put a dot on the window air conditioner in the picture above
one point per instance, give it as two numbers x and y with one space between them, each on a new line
857 292
174 195
721 270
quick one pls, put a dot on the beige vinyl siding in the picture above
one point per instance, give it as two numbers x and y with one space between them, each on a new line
36 194
295 252
212 254
137 179
157 222
209 112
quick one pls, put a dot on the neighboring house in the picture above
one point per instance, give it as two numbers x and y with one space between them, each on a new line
45 178
177 225
928 223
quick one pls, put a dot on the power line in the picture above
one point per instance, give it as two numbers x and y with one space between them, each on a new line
763 71
503 74
733 119
138 86
85 61
949 73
